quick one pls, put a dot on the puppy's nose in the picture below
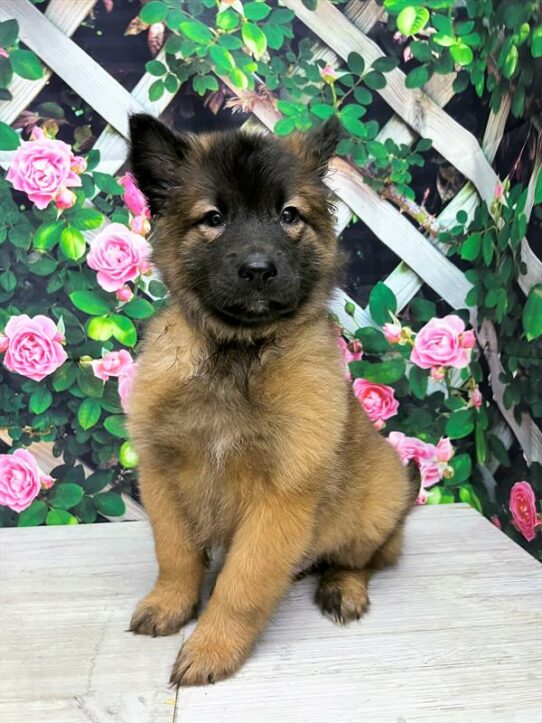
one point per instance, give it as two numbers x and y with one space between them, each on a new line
257 267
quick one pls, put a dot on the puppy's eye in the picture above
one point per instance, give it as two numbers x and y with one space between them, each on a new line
289 216
213 219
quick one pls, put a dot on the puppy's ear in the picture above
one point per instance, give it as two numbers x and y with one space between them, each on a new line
156 152
322 142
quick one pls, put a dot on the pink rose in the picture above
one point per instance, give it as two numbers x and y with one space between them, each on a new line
34 346
437 374
41 168
328 74
392 332
125 293
523 508
65 198
126 384
20 480
4 343
118 255
133 198
443 342
113 364
432 460
4 53
499 191
351 351
140 225
495 520
78 164
476 398
378 400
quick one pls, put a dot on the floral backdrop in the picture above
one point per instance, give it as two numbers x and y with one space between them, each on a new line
77 283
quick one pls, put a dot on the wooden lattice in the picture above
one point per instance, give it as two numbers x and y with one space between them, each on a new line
417 113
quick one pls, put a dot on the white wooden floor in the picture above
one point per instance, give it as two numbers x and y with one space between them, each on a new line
453 634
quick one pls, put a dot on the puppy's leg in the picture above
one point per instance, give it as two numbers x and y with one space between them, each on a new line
174 599
342 593
258 569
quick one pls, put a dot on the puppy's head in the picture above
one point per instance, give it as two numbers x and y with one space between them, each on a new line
244 234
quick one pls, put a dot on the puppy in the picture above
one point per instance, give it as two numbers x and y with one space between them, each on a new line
248 435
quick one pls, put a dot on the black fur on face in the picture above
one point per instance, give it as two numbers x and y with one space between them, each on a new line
244 235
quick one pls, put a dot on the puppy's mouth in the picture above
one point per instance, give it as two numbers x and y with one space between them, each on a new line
256 311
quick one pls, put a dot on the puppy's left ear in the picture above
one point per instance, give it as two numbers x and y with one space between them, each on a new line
156 155
322 142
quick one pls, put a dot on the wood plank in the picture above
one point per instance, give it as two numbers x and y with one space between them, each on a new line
83 74
456 620
67 17
449 138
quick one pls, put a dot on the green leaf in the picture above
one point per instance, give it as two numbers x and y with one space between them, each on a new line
538 188
115 425
471 247
462 54
469 496
256 11
128 456
356 64
418 379
8 280
86 510
6 76
422 309
48 235
97 481
60 517
227 20
9 140
109 504
374 80
156 91
72 243
417 77
155 67
386 372
385 65
40 400
372 340
138 309
9 32
222 57
460 424
153 12
33 515
90 302
462 467
89 413
284 126
510 62
322 110
196 31
107 184
64 377
89 384
363 95
480 444
26 64
381 301
85 219
254 39
532 313
66 495
536 42
439 496
100 328
238 78
124 330
411 20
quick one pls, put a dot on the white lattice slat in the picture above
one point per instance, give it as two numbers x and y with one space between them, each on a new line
449 138
67 16
84 75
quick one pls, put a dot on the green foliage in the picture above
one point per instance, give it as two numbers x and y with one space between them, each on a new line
496 45
23 63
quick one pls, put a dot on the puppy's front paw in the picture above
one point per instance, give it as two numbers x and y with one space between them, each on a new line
202 661
163 612
342 595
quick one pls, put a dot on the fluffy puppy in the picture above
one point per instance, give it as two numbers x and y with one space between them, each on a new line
249 436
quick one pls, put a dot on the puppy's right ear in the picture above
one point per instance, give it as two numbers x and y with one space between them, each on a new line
156 152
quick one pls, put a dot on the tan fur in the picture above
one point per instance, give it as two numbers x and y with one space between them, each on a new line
249 436
332 488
